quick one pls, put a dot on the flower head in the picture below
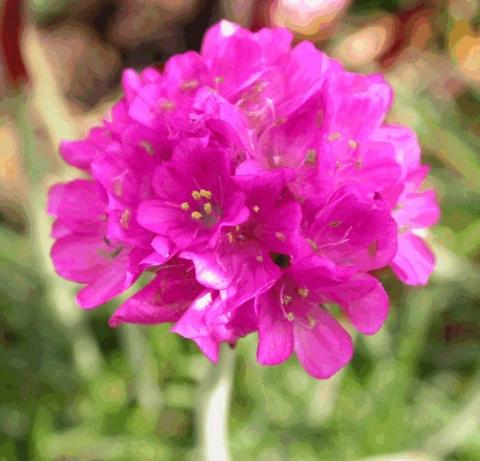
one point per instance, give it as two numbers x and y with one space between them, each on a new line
260 185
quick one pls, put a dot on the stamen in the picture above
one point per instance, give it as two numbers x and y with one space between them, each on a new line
319 118
312 244
290 316
334 136
148 147
117 187
256 208
167 105
116 252
190 84
353 144
196 215
230 237
185 206
286 300
207 207
259 258
196 194
311 321
303 292
335 224
311 156
280 236
219 79
205 194
125 219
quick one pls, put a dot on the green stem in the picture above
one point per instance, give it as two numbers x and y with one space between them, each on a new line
213 409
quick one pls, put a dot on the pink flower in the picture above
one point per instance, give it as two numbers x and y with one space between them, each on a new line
259 184
82 252
195 196
292 315
414 211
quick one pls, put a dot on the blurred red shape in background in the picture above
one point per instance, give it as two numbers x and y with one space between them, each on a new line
10 29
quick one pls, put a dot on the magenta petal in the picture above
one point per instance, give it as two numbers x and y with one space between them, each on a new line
404 142
164 299
80 258
354 230
209 270
67 202
305 71
418 210
113 281
322 346
163 247
131 83
361 103
364 301
216 36
166 220
275 333
192 325
414 262
81 154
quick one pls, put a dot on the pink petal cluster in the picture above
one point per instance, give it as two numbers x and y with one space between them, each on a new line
258 184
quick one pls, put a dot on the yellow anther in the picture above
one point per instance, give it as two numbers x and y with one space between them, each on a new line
335 224
311 156
280 236
190 84
303 292
256 208
207 207
196 194
219 79
311 321
312 244
205 194
230 237
286 300
117 187
148 147
290 316
125 219
259 258
185 206
319 118
353 144
167 105
237 228
196 215
334 136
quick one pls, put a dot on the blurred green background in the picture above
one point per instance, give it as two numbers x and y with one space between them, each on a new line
73 389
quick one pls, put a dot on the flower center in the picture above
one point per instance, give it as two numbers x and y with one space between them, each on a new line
203 209
281 260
